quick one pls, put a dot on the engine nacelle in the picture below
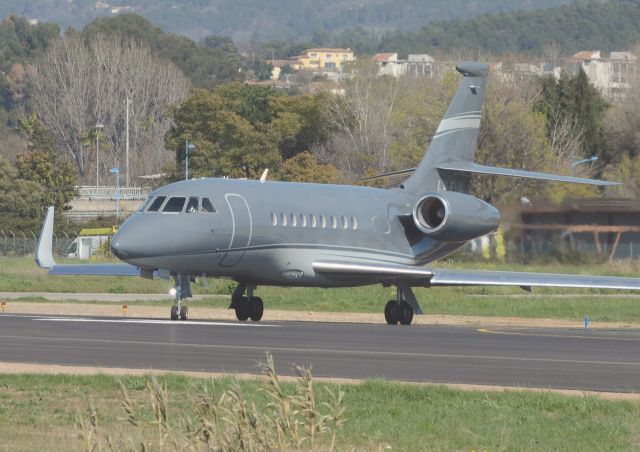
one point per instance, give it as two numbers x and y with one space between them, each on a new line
454 217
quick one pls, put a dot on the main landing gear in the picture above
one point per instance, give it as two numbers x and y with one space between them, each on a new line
402 308
183 291
246 307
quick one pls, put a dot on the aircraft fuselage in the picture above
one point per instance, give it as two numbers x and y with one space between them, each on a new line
270 233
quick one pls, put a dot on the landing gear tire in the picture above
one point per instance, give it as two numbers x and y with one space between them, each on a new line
174 313
405 313
257 309
391 312
184 313
243 310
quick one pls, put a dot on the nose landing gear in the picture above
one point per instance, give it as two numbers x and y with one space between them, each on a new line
183 291
246 307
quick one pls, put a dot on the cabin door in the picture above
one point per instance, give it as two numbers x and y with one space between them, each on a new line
242 228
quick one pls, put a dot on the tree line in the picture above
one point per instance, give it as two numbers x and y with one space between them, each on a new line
585 25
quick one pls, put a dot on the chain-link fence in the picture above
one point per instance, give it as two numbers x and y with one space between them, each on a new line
21 243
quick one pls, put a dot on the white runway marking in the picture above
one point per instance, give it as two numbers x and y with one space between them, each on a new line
151 322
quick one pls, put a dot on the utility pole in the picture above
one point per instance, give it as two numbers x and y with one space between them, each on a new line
127 145
99 127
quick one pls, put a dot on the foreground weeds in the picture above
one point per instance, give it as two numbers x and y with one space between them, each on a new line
221 420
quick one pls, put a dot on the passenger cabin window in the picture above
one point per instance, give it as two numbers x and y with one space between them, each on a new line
294 221
274 219
354 223
313 221
174 205
303 220
146 204
192 205
345 223
323 221
283 217
334 224
156 204
207 206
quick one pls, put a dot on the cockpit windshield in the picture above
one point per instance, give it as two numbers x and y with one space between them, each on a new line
192 205
146 204
156 204
207 206
175 204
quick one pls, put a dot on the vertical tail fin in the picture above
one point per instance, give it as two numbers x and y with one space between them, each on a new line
456 137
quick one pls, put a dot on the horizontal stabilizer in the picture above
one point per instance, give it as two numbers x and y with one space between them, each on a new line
470 167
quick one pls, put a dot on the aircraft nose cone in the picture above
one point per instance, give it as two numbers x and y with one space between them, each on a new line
117 247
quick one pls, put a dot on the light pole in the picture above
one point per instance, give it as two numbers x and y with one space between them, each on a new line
116 171
591 159
187 147
99 127
127 142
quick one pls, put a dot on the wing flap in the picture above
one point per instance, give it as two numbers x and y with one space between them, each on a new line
448 277
342 269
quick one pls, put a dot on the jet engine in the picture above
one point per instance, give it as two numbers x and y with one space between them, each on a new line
454 217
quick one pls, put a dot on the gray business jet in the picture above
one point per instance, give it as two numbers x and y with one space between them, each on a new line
260 232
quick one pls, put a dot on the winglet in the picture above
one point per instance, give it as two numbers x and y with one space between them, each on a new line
44 250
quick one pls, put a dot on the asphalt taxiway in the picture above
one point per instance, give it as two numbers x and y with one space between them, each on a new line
598 360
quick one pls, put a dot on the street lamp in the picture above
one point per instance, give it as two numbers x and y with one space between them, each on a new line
187 147
99 127
116 171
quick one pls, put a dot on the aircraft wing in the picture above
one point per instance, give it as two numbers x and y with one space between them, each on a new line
432 277
44 257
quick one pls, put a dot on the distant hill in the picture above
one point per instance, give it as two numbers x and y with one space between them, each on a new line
268 19
603 25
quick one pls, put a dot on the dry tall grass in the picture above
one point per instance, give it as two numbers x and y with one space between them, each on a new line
221 420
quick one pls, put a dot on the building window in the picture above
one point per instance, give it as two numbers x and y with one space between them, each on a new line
329 55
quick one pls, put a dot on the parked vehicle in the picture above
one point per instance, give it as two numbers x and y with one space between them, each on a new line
88 242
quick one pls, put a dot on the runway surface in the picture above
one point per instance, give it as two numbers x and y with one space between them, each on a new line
600 360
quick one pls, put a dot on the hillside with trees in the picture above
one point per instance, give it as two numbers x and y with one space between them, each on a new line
592 24
268 19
